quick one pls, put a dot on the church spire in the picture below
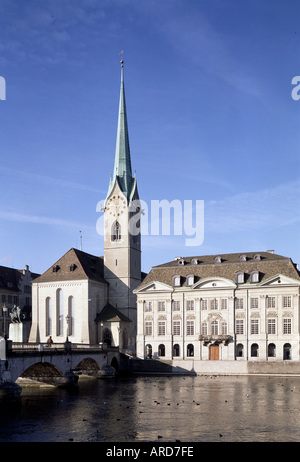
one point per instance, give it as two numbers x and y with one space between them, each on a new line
122 167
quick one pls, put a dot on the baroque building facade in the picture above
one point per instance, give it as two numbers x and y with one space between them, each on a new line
86 298
223 307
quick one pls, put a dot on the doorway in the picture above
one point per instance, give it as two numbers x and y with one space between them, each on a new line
214 353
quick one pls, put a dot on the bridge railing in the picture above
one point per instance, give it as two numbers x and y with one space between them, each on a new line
19 346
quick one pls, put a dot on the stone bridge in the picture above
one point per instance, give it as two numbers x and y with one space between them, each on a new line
58 364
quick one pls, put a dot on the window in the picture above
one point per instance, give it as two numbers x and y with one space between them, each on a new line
204 328
271 302
190 350
161 328
48 317
214 304
271 350
161 350
176 327
240 350
176 350
239 326
161 306
214 328
190 305
240 278
59 312
116 231
148 328
254 326
287 326
287 302
224 304
204 304
190 328
254 276
224 330
71 314
148 351
176 281
271 326
254 303
190 280
254 350
239 303
148 306
107 337
176 305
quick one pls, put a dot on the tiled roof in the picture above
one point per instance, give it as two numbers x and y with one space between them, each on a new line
268 264
110 313
10 278
74 265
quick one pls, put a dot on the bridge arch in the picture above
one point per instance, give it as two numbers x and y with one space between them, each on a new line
42 372
87 366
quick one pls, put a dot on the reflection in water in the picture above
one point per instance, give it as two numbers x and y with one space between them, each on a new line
188 409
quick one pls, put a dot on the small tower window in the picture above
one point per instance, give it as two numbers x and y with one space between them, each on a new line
116 231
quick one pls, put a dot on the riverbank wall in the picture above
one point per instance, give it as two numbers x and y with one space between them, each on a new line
194 367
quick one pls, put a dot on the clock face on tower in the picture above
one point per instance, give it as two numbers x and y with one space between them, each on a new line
116 206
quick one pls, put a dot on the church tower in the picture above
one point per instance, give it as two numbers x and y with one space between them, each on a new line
122 239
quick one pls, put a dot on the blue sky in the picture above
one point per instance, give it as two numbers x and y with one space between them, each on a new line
210 115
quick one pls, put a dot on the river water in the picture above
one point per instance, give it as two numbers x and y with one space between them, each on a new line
163 409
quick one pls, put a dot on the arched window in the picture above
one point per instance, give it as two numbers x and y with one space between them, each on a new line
48 317
176 350
71 316
240 350
271 350
161 350
148 351
59 312
254 350
107 337
287 351
190 350
116 231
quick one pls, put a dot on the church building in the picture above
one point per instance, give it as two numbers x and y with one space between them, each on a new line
89 299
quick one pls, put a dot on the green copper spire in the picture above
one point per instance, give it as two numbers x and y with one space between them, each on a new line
122 168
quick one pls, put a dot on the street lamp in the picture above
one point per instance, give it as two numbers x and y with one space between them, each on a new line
67 319
4 309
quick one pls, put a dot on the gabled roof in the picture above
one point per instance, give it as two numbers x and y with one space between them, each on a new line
227 266
74 265
110 313
10 278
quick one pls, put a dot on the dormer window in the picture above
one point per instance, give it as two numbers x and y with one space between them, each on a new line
194 261
243 258
257 257
218 259
254 276
73 267
240 278
181 262
176 281
55 269
190 279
